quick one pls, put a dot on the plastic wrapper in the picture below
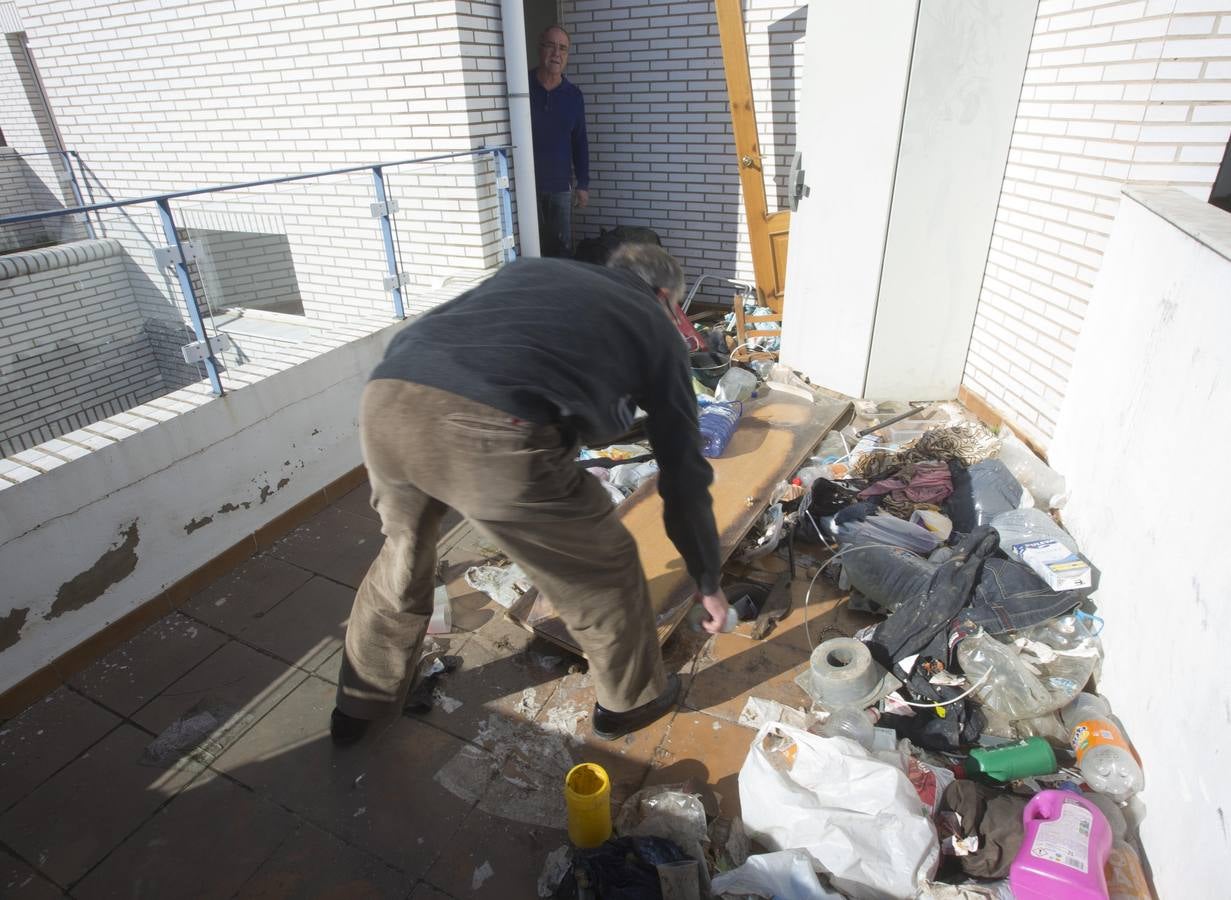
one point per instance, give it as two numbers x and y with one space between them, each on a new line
787 873
884 529
667 811
1045 484
1039 671
1019 526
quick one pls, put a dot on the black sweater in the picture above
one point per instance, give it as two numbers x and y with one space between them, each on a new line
556 341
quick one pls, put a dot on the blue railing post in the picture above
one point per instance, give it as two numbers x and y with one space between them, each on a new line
77 198
500 155
381 209
190 295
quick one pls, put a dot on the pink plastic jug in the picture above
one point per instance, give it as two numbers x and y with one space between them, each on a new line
1064 852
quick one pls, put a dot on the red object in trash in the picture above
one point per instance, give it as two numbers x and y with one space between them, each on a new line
686 329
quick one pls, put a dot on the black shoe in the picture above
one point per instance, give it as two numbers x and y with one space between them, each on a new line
610 725
346 730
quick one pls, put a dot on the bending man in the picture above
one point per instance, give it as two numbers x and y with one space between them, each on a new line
480 405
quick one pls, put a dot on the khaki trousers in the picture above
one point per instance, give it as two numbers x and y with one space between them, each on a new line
426 450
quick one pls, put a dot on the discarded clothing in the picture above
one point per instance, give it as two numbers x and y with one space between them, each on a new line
915 485
994 817
949 590
1007 597
966 442
621 869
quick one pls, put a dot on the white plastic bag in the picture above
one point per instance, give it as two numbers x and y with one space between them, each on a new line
787 873
859 818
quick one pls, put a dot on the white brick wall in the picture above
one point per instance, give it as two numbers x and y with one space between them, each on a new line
17 196
30 178
1115 93
662 152
72 344
158 97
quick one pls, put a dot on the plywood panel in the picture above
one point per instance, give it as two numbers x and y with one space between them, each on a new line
775 436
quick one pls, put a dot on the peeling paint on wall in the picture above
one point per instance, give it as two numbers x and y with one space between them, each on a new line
231 507
197 523
112 567
10 627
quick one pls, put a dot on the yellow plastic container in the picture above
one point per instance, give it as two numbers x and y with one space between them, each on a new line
587 793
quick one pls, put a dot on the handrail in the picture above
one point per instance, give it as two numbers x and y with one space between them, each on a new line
176 254
156 198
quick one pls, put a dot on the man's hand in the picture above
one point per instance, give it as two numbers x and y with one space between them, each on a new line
581 198
716 605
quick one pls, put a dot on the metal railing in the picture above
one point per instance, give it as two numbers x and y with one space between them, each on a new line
178 252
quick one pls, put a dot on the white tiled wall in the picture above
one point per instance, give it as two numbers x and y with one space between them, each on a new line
1115 93
662 152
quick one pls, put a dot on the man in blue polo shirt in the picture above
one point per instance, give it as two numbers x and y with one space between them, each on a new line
561 150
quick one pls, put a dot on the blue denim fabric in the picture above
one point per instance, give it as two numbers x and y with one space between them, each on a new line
556 224
1007 597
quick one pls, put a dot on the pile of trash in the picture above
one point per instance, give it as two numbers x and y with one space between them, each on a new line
955 749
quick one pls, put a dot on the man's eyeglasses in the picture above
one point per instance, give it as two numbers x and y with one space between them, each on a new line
562 48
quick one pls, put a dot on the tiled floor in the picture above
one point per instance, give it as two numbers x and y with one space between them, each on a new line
195 760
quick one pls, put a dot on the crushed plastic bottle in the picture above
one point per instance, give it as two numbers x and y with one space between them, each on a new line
717 424
1103 753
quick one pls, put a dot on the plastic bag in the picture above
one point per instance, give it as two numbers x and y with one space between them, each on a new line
983 491
1045 484
766 534
787 873
886 529
736 384
1018 526
1006 683
1040 671
830 797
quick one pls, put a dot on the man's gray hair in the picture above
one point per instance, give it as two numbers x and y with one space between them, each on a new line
653 265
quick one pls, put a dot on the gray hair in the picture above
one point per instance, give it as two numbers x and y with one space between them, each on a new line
653 265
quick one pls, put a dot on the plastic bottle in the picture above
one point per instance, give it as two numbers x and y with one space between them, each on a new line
849 722
1103 754
1033 756
717 424
1064 852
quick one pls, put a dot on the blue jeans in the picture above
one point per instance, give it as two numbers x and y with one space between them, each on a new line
556 223
1007 597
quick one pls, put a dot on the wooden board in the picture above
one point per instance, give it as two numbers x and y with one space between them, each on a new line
775 436
767 234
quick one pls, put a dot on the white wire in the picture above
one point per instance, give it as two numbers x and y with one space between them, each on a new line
808 596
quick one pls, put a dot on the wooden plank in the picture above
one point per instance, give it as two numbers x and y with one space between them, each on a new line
769 271
775 436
